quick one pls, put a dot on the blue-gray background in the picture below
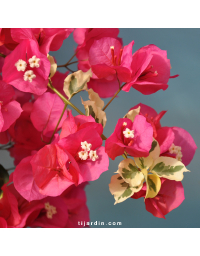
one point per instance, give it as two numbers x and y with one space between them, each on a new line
181 100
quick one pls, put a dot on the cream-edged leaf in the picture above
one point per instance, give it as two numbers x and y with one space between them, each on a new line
76 82
93 96
132 114
169 168
153 185
120 189
130 173
53 67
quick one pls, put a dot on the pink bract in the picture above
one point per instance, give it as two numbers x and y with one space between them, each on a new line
150 70
73 124
170 196
89 170
46 112
49 39
138 146
10 110
109 59
38 80
166 136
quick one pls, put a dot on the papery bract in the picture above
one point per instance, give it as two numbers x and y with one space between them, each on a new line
49 39
89 169
25 135
150 70
73 124
24 76
170 196
137 142
108 58
46 112
9 110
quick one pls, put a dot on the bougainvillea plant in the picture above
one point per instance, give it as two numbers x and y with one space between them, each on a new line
56 154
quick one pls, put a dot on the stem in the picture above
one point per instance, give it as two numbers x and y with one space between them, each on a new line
58 122
62 66
66 101
69 69
113 97
2 55
9 169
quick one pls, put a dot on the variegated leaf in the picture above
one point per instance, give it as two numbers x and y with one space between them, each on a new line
120 189
132 114
76 82
144 162
92 110
153 185
130 173
53 65
93 96
169 168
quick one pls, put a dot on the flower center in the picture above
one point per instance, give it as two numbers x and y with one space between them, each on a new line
20 65
29 76
51 210
114 57
177 151
128 133
34 62
148 73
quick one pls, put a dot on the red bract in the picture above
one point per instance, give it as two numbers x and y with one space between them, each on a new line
26 68
58 82
133 137
5 51
48 173
49 39
109 59
170 196
103 87
65 211
10 110
6 39
85 146
50 212
25 135
46 112
150 70
169 137
74 124
85 37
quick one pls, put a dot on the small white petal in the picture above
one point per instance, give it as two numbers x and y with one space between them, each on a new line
128 133
20 65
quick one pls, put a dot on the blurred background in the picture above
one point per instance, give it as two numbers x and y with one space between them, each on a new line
181 100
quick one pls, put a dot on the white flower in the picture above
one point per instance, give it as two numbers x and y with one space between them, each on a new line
51 210
29 75
128 133
34 62
83 155
21 65
86 146
93 155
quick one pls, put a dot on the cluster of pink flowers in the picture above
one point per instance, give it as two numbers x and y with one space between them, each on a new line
56 154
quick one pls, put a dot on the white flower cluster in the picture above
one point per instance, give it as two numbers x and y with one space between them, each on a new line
29 74
128 133
177 151
87 152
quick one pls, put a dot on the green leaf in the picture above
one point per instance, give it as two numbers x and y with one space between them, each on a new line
129 174
162 169
127 193
4 178
152 185
153 145
142 162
